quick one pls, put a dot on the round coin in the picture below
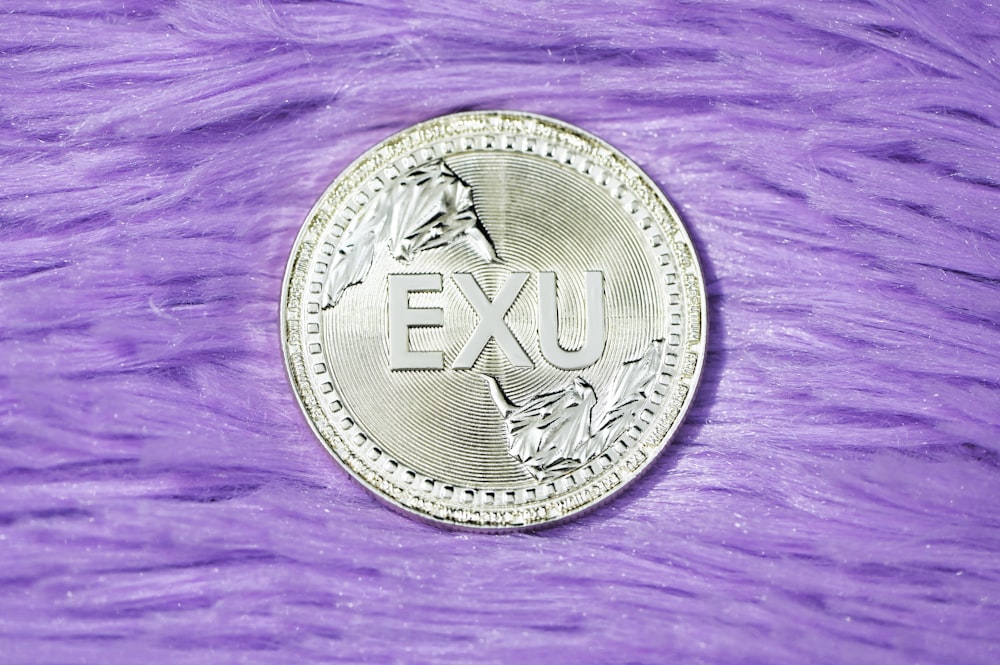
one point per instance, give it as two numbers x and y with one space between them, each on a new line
494 320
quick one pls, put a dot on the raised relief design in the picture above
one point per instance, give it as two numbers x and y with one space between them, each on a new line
427 208
556 432
557 310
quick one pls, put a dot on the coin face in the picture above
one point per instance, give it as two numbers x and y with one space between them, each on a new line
494 320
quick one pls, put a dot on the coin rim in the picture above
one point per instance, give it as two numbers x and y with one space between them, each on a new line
626 475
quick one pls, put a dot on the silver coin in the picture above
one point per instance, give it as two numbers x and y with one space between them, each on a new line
494 320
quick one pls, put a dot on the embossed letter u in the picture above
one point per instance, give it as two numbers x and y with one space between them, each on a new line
548 323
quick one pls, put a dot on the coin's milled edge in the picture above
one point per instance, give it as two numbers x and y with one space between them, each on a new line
546 510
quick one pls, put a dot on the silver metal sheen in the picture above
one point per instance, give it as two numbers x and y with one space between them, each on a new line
494 320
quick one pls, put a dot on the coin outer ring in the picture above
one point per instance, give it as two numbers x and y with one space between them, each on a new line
299 298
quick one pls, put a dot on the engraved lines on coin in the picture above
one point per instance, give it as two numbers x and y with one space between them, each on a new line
453 435
572 208
392 459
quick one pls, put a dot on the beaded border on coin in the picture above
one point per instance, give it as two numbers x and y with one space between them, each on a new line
404 488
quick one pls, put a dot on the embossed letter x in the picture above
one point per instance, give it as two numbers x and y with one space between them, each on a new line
491 323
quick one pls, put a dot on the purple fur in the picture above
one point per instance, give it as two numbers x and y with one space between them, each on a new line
832 498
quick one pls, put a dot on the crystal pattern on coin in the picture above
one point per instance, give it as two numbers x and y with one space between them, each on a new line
428 207
555 432
493 320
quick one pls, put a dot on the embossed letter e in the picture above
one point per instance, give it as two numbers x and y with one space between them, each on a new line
402 317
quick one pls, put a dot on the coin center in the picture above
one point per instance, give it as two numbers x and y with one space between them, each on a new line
523 296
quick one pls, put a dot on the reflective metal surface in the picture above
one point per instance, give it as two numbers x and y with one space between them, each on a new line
494 320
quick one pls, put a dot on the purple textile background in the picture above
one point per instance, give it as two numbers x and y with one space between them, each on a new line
833 497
